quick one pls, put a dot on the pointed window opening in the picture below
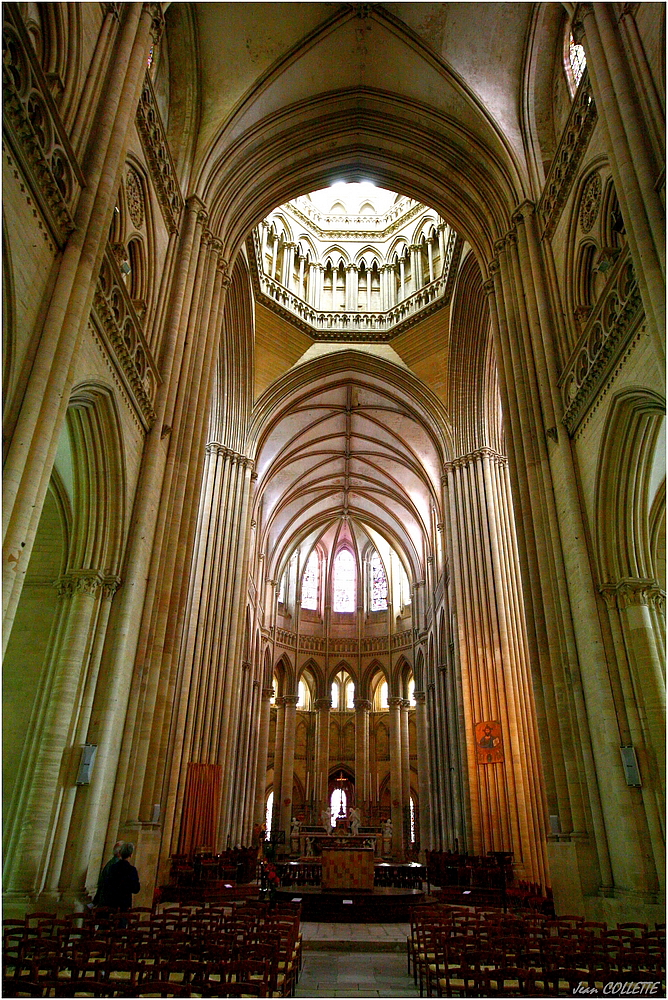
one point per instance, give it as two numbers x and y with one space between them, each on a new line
378 584
310 583
344 581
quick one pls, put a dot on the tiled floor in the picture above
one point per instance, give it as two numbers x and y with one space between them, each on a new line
355 960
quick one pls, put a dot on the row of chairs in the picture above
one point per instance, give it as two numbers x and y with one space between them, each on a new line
461 951
202 949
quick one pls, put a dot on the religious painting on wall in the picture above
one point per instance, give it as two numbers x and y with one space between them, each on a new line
488 743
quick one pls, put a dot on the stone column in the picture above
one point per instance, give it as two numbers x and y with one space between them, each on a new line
351 288
278 765
287 775
396 777
507 808
405 768
274 257
31 453
634 166
402 279
40 821
430 257
424 771
322 706
301 290
288 261
362 776
113 692
416 266
441 245
263 751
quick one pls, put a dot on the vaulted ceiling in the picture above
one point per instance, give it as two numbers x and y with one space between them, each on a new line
353 436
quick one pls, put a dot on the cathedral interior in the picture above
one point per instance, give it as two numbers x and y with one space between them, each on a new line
334 443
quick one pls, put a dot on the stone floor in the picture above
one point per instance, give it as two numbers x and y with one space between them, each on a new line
355 960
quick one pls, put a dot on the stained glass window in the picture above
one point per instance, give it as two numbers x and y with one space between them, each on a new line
335 694
383 696
378 584
310 583
344 581
577 60
411 691
281 589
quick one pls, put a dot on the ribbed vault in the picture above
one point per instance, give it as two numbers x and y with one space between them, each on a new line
353 437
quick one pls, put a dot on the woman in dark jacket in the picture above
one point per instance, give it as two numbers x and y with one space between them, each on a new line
122 881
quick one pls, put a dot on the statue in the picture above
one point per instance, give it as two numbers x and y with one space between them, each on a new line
294 835
355 820
326 820
387 836
309 847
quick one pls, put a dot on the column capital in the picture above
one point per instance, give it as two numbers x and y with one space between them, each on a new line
633 592
291 699
523 212
196 205
86 581
420 697
323 703
395 702
362 705
157 20
280 701
267 694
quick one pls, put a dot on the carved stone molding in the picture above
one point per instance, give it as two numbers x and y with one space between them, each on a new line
590 202
362 704
285 638
125 339
374 644
402 640
159 158
35 131
474 456
311 644
573 143
87 581
215 448
612 322
135 197
634 593
346 326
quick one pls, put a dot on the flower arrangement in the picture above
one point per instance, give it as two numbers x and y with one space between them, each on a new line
271 875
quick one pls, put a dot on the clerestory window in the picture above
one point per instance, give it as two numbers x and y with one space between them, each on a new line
344 582
378 584
310 581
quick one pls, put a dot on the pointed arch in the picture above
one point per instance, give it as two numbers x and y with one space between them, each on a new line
630 462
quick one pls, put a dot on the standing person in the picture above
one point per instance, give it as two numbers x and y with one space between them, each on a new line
122 881
99 899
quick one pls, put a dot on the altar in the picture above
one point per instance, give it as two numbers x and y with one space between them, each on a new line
347 866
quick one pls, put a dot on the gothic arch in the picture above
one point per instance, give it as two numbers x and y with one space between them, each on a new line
623 497
99 477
